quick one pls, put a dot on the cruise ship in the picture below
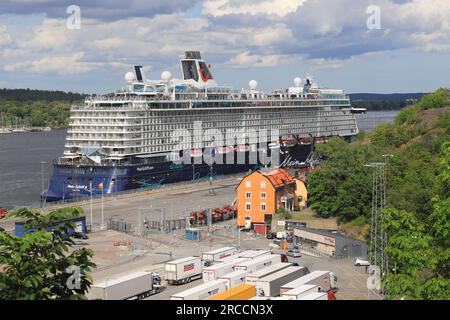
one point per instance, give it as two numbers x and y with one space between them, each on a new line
154 132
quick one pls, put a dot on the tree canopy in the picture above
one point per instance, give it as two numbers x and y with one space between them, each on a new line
417 218
42 265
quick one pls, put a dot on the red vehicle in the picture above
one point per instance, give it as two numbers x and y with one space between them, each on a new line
3 212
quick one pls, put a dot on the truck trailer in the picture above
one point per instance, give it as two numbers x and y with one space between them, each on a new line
218 255
183 270
270 285
201 292
240 292
253 254
301 291
315 296
137 285
220 269
255 276
258 263
326 280
235 278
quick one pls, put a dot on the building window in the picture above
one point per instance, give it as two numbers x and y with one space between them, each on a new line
248 184
248 195
263 184
263 206
263 195
248 206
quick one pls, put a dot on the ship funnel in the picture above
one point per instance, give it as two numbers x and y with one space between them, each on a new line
137 71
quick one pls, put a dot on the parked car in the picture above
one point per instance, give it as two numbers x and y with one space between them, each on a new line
80 235
361 262
271 235
293 253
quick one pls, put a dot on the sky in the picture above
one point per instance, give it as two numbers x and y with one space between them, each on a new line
379 46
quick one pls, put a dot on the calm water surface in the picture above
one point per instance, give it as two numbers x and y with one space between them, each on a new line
21 155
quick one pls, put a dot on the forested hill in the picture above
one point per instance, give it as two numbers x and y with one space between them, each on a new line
386 96
416 151
24 95
390 101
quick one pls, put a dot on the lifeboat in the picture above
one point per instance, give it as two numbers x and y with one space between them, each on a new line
288 141
195 153
243 148
225 150
306 141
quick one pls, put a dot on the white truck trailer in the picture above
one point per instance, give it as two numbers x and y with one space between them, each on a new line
326 280
258 263
253 254
201 292
270 285
220 269
234 278
183 270
218 255
137 285
315 296
303 290
255 276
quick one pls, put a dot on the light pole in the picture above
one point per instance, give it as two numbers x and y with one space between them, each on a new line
42 183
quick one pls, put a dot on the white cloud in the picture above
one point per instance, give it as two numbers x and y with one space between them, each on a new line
4 36
246 59
219 8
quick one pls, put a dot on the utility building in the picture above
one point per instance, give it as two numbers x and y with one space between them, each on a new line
328 243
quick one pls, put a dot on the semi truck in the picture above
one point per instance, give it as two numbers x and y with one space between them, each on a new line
220 269
183 270
201 292
270 285
218 255
258 263
303 290
234 278
240 292
138 285
326 280
255 276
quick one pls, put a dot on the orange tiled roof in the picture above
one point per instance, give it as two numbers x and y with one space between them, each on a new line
278 177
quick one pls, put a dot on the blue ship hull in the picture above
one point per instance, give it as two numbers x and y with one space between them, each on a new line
70 181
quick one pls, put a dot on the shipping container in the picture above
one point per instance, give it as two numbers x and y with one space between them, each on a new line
255 276
319 278
301 291
201 292
235 278
259 263
137 285
315 296
220 269
270 285
219 254
77 225
240 292
183 270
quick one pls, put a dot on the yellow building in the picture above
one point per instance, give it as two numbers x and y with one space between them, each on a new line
301 193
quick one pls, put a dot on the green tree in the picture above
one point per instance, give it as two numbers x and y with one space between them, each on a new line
39 265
